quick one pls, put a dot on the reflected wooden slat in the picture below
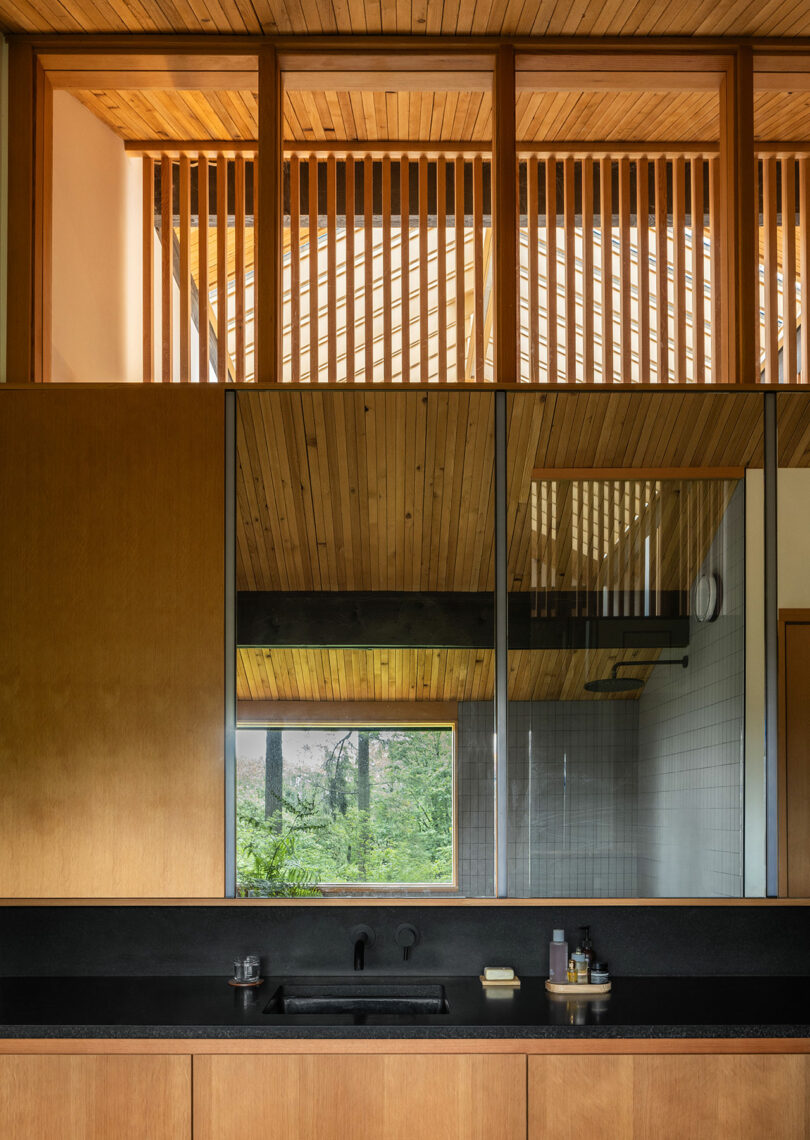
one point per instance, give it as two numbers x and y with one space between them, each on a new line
350 285
625 270
458 245
203 219
314 271
239 266
661 271
331 270
148 238
698 283
606 239
771 332
533 270
789 267
424 295
716 295
405 264
478 268
386 238
569 222
295 269
804 262
643 230
441 263
551 269
222 268
587 271
679 267
368 267
167 266
185 268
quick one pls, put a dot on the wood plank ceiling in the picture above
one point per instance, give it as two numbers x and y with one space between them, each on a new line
503 17
374 491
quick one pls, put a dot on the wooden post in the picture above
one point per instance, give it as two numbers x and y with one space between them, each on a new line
148 237
738 195
267 223
22 91
185 268
505 222
203 318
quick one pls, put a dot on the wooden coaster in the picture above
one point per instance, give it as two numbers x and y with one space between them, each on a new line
244 985
506 984
575 989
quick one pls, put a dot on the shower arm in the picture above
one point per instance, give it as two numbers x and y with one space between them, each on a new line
683 661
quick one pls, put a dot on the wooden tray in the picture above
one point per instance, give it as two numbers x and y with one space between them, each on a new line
505 984
577 989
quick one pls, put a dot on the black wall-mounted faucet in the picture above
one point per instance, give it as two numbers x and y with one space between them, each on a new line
406 936
362 936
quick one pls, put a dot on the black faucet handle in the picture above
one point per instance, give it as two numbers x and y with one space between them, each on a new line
406 936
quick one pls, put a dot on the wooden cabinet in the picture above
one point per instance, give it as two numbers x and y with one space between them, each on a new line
95 1098
746 1096
112 634
365 1097
794 753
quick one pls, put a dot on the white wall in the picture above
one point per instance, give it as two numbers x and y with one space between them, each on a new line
97 324
793 592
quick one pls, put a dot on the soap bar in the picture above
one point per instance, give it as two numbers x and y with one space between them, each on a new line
499 973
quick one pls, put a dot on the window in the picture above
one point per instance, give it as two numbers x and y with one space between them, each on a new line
325 810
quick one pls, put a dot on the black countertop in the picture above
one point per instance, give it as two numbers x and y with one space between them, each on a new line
207 1007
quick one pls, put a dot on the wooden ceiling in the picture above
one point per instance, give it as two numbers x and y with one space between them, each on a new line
605 116
782 115
165 114
459 116
502 17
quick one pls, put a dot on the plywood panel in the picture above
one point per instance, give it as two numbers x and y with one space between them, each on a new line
111 569
671 1098
95 1097
462 1097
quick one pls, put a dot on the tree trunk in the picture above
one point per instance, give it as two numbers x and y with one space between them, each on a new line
363 797
273 776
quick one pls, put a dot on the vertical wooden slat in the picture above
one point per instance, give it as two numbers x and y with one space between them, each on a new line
349 277
739 229
478 265
268 244
185 268
789 268
679 266
505 220
239 264
534 331
405 263
148 234
222 268
314 272
625 281
368 266
386 238
698 286
769 208
551 268
661 270
569 221
804 264
424 295
606 237
716 311
460 270
22 177
166 265
331 269
643 243
441 263
295 269
203 320
587 270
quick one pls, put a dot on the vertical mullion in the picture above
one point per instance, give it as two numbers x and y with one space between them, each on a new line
331 269
239 264
587 270
678 266
268 210
314 332
185 268
148 223
386 238
643 242
167 265
222 268
551 267
295 269
716 288
606 235
441 263
769 208
405 263
368 266
203 321
424 334
661 270
698 291
531 207
804 260
569 221
478 266
458 221
349 272
789 268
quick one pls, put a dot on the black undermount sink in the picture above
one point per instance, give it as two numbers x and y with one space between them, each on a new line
358 999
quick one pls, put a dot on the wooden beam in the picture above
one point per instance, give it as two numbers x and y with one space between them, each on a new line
21 177
504 220
738 194
122 80
357 713
559 474
268 255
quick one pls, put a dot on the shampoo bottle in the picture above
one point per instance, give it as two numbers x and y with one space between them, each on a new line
558 957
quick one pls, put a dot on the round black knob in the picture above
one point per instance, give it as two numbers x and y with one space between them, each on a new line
406 936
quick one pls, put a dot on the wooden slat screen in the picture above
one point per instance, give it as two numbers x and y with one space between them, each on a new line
388 269
618 271
198 311
784 267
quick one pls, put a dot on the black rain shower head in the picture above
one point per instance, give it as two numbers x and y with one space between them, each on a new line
616 684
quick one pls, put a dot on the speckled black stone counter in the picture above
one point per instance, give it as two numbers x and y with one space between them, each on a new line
206 1007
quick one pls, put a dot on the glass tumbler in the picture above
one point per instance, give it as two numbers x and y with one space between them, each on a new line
246 969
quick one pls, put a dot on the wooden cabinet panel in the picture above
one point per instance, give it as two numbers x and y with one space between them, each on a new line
795 750
366 1097
747 1096
95 1098
112 628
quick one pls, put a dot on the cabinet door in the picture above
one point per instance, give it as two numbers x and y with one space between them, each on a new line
362 1097
745 1096
111 626
95 1098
